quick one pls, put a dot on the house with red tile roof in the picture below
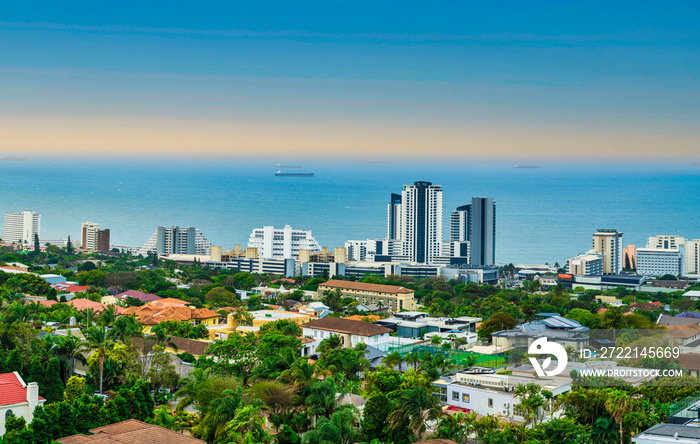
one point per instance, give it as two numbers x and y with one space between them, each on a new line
18 398
155 312
70 288
130 431
83 304
140 295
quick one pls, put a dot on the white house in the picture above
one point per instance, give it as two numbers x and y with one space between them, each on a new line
18 398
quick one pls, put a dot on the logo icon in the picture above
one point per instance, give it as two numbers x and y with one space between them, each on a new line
542 347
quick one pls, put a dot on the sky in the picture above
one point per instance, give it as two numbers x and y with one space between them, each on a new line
352 79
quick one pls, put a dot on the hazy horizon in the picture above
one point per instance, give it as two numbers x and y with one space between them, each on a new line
342 79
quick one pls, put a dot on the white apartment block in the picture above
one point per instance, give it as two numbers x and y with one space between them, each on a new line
589 264
655 262
176 240
609 244
21 227
89 233
273 243
665 242
692 256
420 221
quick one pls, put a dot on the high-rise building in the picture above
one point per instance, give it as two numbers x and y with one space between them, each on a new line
273 243
483 231
393 226
460 224
609 243
176 240
654 262
93 238
692 256
417 221
21 227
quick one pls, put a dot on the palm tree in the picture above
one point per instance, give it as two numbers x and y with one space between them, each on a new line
604 430
456 427
618 405
96 340
417 406
329 344
221 410
72 348
393 359
108 316
338 429
413 359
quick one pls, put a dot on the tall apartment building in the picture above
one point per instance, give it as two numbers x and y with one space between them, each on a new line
21 227
176 240
417 221
692 256
654 262
483 231
93 238
273 243
609 243
461 224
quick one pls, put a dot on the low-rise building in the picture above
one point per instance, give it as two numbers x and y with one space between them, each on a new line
351 332
393 297
17 398
589 264
566 332
417 324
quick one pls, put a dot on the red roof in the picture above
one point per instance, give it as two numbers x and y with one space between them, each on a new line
12 389
83 304
70 287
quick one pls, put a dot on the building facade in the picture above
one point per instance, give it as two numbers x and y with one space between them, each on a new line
483 231
177 240
652 262
94 238
629 260
609 243
391 297
22 227
692 257
461 224
590 264
665 242
17 398
417 221
284 243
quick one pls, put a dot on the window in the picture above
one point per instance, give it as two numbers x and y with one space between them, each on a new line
490 402
7 414
455 396
465 397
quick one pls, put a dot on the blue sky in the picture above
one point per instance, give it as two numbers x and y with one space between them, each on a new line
483 79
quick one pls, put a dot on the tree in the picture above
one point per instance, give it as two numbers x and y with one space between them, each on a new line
243 280
279 398
96 341
618 405
75 389
37 246
417 406
338 429
374 418
234 356
69 246
499 321
562 431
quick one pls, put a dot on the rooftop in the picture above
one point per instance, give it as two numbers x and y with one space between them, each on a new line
13 390
361 286
347 326
131 432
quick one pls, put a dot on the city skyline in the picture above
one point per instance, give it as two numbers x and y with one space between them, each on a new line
470 81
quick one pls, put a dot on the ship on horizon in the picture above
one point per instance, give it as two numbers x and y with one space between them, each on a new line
280 173
526 166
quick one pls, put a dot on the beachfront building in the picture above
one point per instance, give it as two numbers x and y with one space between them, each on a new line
22 227
483 232
391 297
608 243
416 221
177 240
285 243
654 262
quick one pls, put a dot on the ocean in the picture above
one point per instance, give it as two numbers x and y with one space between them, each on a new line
543 215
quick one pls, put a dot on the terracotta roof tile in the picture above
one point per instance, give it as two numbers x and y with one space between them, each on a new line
130 432
198 348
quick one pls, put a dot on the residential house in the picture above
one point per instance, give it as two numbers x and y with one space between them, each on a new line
566 332
18 398
140 295
349 331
